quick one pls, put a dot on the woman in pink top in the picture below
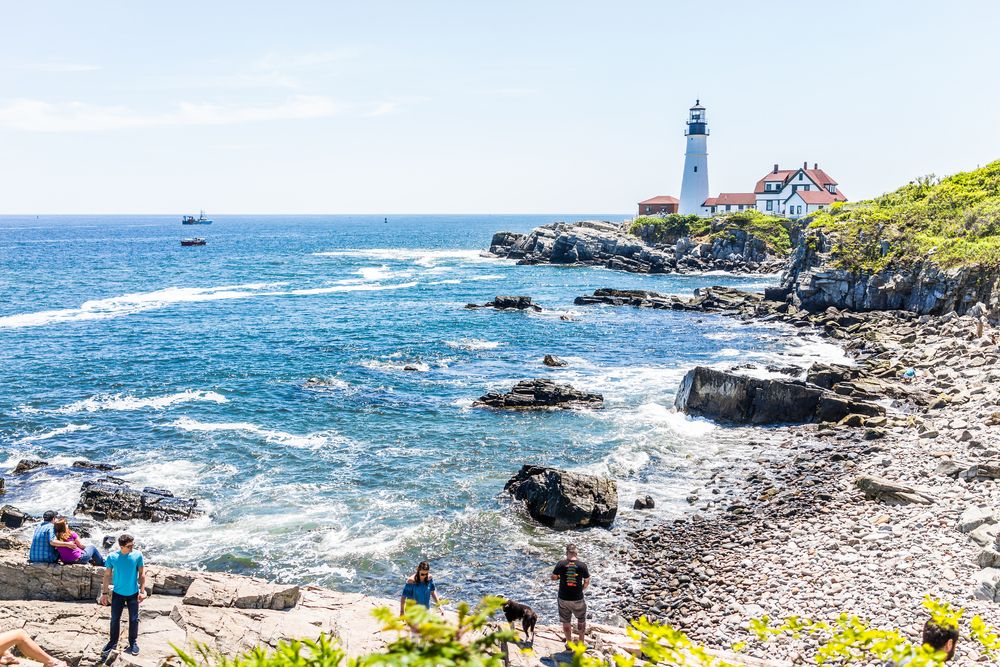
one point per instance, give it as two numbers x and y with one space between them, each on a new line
78 554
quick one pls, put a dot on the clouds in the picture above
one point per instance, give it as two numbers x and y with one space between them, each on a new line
39 116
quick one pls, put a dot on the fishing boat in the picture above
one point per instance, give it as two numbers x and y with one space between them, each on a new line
200 220
193 241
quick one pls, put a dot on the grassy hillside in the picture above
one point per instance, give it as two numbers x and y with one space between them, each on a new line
952 222
667 229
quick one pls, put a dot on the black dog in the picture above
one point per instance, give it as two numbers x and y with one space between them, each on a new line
515 610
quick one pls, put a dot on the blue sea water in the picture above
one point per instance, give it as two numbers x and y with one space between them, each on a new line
186 367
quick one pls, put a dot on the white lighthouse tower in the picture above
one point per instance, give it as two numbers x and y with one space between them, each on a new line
694 185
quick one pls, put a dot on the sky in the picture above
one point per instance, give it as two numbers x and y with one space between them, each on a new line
244 106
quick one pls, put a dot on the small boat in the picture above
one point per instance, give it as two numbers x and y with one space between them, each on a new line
195 241
200 220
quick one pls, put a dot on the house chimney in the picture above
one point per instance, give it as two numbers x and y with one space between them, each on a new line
805 165
775 168
815 165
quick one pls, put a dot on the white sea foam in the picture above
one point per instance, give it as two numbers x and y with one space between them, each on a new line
130 304
421 257
378 365
310 441
362 287
492 276
127 402
472 344
729 352
55 433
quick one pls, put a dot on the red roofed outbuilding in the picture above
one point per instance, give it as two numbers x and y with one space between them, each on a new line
660 204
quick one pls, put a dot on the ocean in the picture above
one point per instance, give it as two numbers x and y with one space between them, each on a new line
186 366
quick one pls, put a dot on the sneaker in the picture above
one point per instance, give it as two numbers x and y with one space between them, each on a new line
106 652
133 649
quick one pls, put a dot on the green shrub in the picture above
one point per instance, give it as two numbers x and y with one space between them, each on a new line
949 222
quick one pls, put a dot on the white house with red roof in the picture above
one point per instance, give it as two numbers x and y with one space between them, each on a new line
791 193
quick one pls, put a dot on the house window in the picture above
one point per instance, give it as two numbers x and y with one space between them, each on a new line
832 188
713 209
801 176
727 207
805 187
696 167
798 210
648 209
767 187
821 207
770 205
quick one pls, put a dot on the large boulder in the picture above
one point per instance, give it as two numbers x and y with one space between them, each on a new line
112 499
12 517
564 500
539 395
741 399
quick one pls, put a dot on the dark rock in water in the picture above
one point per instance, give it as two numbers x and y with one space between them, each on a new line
108 542
827 375
564 500
11 517
646 503
539 395
508 303
91 465
410 367
554 361
2 489
745 400
27 465
503 242
82 527
111 499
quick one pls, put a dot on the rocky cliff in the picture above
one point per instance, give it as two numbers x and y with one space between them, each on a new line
815 280
610 245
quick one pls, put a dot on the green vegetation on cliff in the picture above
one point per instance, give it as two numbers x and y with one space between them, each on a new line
952 222
775 232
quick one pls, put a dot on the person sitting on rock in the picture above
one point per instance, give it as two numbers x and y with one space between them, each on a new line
940 637
44 542
78 554
419 588
28 648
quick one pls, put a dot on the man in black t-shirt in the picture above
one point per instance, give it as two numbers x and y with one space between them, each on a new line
573 577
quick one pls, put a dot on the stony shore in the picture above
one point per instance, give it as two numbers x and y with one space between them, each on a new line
790 533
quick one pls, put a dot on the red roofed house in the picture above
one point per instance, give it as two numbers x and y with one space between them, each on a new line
661 204
728 202
796 192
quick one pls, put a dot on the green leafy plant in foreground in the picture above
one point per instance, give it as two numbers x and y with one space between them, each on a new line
424 638
849 639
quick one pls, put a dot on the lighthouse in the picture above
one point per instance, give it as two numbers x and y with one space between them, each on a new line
694 184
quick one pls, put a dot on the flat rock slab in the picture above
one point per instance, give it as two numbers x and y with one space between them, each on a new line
893 493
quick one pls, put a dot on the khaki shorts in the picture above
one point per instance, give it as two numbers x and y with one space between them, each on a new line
570 608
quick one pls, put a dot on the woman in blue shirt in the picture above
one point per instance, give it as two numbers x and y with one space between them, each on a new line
419 588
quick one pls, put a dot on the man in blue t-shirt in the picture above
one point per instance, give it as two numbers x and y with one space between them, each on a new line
125 568
44 542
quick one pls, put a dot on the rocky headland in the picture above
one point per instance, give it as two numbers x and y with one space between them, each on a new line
725 246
